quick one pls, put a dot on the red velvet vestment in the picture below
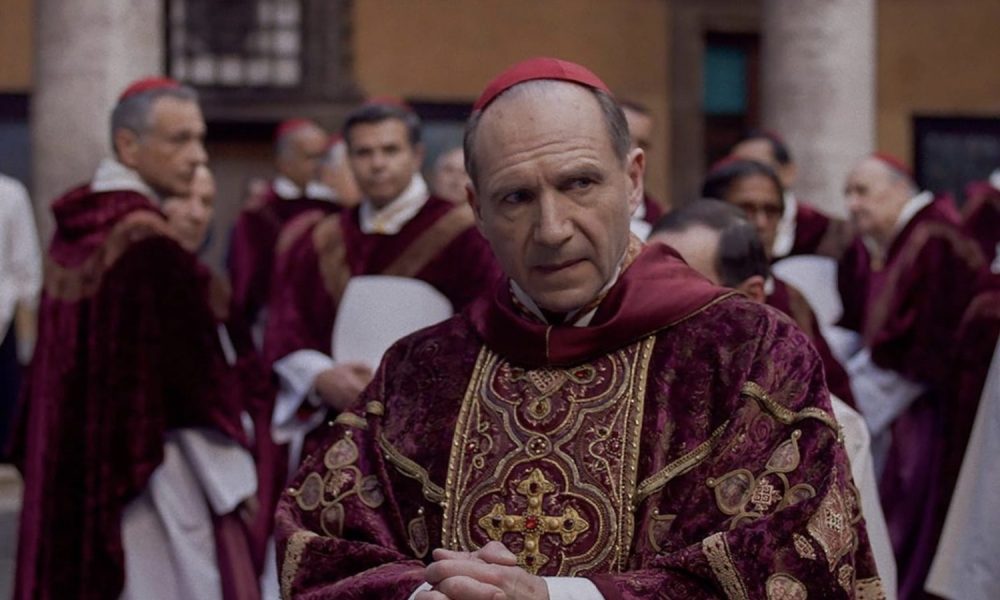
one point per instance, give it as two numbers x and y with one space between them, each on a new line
680 446
127 349
908 308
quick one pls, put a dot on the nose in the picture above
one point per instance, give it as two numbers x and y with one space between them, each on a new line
199 155
553 228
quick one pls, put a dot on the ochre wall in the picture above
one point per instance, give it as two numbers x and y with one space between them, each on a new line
16 45
442 50
935 58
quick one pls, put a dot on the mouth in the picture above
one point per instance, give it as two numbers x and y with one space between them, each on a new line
557 267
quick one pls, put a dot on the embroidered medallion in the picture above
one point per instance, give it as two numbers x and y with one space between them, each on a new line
519 474
342 479
831 526
782 586
803 547
420 541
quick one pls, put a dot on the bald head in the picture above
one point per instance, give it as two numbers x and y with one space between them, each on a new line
875 194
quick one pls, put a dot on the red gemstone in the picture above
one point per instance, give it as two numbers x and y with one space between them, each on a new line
581 374
531 523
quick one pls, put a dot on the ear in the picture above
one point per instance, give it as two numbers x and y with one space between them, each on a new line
789 173
473 199
419 151
753 287
635 169
126 148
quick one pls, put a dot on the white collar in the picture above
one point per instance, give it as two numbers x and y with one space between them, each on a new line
769 286
391 218
572 317
286 189
113 176
910 210
784 238
995 179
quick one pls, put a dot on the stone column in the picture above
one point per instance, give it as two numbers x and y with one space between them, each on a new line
818 89
86 53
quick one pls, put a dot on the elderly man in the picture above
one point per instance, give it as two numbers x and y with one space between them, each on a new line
300 146
802 228
127 350
605 424
640 128
905 288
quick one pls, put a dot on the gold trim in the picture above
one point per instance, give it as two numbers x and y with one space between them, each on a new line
375 408
682 465
432 242
785 415
433 492
869 589
449 532
293 558
351 420
637 401
716 550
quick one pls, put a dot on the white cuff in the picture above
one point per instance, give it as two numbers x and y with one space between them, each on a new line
297 373
882 394
422 588
224 469
572 588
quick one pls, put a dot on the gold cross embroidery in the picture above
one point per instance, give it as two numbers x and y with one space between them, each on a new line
533 524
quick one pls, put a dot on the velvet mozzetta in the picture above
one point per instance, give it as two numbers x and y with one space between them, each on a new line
686 449
127 349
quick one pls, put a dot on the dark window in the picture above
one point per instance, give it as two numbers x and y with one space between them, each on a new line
950 152
730 98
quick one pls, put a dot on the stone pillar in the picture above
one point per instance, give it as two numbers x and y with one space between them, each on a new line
86 53
818 89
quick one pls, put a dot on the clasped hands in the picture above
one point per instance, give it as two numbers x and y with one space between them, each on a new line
490 573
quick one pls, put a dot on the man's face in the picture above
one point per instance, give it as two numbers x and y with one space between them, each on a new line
759 150
301 158
449 178
551 196
874 198
383 159
170 150
758 197
698 246
189 216
640 127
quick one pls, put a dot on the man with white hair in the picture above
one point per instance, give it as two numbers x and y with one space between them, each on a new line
606 423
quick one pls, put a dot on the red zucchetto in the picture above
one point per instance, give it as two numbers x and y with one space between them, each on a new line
538 68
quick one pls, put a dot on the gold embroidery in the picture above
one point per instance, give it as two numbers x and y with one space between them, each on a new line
375 408
432 491
782 586
351 420
845 577
803 547
869 589
534 524
342 480
716 550
517 420
738 491
785 415
682 465
659 528
420 541
831 525
293 557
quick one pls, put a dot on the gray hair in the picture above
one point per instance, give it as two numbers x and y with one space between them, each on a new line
614 118
133 113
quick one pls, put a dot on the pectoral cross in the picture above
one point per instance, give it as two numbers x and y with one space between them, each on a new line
534 524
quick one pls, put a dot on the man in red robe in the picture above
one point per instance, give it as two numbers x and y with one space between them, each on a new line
905 286
300 146
803 229
399 229
605 424
127 350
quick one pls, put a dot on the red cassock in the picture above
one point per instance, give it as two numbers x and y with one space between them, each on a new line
908 311
680 446
251 250
789 300
127 349
981 217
